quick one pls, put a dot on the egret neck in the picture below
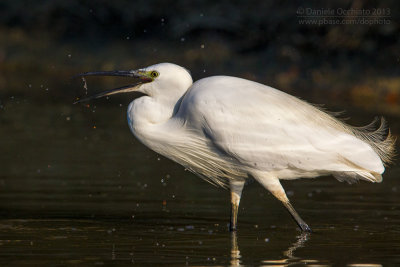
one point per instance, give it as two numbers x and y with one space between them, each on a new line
161 101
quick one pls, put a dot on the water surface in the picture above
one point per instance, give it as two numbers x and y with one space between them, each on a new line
77 188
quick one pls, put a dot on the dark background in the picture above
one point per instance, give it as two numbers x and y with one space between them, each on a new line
258 40
77 188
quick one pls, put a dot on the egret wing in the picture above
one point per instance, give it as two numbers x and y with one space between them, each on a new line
269 130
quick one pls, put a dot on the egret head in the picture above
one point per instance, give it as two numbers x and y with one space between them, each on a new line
155 80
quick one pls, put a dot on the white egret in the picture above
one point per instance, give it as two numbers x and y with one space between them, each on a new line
228 130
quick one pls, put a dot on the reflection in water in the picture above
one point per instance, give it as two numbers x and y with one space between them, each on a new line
235 252
288 259
301 240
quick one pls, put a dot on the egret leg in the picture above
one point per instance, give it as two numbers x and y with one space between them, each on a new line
302 224
236 187
274 186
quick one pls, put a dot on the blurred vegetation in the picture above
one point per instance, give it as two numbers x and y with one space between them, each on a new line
44 43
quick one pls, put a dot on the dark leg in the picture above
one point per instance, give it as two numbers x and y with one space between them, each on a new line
303 226
236 188
274 186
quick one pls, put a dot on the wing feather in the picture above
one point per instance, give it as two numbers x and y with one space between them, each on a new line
267 129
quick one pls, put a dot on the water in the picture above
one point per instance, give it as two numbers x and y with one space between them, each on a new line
77 188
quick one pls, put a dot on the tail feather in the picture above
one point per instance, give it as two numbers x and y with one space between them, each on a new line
381 140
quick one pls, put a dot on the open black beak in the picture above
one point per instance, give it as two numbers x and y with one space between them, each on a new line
124 89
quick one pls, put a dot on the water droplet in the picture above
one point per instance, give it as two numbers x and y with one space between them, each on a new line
202 46
266 239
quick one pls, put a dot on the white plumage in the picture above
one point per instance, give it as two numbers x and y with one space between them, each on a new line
228 130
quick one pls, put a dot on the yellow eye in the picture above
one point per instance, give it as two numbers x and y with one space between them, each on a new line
154 74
